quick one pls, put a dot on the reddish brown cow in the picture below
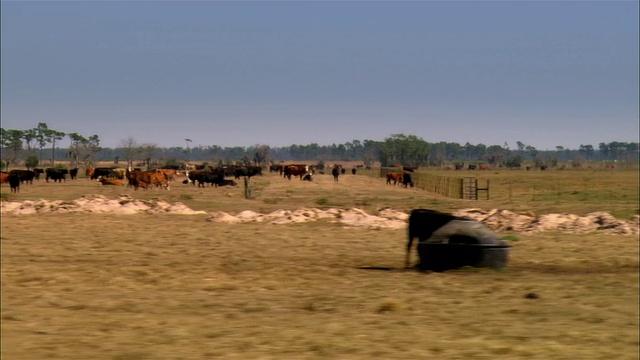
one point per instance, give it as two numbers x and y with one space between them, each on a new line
145 179
295 170
484 167
5 177
105 181
395 177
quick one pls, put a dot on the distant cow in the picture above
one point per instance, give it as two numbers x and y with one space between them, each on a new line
307 177
275 168
472 167
73 173
335 172
105 181
409 168
395 177
38 171
146 179
353 171
14 183
24 175
484 167
407 180
247 171
57 175
296 170
543 167
101 172
459 166
227 183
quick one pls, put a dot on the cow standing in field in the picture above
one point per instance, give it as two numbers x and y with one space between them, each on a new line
24 175
395 177
14 183
296 170
336 172
73 173
57 175
247 171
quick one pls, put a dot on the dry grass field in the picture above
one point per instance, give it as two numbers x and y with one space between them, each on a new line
103 286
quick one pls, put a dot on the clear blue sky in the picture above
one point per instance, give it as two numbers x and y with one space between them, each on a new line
279 73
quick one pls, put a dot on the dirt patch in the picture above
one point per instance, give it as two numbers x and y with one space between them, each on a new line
496 219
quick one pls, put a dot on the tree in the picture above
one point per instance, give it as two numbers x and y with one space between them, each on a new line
77 144
11 141
405 150
148 152
41 136
93 147
129 149
32 161
262 154
30 135
52 137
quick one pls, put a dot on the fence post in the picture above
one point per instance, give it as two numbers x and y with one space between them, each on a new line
248 193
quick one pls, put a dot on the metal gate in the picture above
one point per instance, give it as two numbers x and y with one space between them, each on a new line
470 188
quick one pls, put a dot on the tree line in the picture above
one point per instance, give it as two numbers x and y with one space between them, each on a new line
32 147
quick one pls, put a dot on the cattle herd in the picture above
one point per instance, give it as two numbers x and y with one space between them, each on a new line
160 178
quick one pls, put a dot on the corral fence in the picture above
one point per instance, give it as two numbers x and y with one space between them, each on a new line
449 186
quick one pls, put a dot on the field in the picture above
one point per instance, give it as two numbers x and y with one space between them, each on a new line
103 286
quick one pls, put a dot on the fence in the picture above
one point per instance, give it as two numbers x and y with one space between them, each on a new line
449 186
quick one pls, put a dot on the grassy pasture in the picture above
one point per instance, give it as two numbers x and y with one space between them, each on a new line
88 286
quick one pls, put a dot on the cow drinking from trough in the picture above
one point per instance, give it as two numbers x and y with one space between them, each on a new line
422 224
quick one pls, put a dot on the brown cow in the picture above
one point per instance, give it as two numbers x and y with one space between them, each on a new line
145 179
169 173
105 181
296 170
89 172
5 177
484 167
395 177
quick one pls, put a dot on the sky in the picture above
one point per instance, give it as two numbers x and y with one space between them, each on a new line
544 73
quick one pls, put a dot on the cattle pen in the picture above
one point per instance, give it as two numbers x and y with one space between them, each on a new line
449 186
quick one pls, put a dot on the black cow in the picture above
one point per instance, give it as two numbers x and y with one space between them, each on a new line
336 172
343 171
472 167
543 167
57 175
202 177
422 224
24 175
102 172
14 183
459 166
73 173
408 168
274 168
38 171
227 183
353 171
307 177
247 171
407 180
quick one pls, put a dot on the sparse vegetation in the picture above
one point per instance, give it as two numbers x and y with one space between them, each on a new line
142 286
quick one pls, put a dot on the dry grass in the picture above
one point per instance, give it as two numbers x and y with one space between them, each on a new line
177 287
